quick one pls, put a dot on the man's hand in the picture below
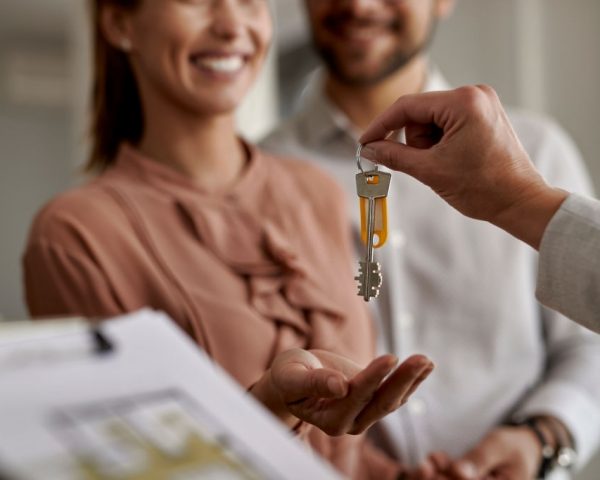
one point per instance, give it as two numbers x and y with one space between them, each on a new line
506 453
462 145
335 394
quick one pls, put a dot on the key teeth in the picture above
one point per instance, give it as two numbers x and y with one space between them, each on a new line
373 270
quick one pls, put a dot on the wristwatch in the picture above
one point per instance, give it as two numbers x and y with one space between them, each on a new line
561 454
565 456
548 449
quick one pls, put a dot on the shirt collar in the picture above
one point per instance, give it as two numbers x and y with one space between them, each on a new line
321 120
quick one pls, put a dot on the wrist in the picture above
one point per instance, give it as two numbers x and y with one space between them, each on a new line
527 217
266 393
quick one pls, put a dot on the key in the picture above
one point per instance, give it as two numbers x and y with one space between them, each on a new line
372 186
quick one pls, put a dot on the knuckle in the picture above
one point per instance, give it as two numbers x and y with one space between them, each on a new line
472 98
487 90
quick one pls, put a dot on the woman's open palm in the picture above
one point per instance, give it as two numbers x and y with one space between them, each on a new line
337 395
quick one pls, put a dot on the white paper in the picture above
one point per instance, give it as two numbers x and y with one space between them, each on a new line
154 408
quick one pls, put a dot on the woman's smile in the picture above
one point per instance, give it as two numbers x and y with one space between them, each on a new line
221 65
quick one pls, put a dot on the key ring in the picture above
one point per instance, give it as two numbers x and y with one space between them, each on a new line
358 159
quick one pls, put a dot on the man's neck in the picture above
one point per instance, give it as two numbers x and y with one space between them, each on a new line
361 104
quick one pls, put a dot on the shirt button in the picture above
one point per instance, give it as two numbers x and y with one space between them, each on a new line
398 239
417 406
405 321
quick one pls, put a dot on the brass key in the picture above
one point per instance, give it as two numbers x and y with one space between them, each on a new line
372 186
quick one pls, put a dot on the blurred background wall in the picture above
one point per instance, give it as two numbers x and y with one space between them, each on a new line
540 54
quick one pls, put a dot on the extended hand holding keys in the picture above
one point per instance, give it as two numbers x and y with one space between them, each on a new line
462 145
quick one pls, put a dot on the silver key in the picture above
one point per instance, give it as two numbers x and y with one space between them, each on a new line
371 185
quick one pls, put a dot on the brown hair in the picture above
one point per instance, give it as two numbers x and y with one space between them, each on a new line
116 105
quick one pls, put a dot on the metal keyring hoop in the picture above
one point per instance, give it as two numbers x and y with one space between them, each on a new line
358 156
358 159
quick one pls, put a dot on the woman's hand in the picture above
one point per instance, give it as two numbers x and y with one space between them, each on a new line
334 393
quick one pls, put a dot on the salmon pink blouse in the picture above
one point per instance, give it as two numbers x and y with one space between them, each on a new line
247 273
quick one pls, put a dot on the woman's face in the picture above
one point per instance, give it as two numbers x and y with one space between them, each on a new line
203 55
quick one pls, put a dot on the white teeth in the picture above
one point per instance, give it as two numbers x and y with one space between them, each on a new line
229 64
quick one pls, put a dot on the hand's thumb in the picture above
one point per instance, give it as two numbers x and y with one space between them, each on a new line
396 156
297 382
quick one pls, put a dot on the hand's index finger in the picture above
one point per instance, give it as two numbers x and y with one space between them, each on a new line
366 382
409 109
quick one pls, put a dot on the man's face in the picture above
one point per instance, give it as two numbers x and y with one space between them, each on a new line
364 41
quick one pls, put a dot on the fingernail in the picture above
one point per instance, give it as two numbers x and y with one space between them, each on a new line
467 470
335 386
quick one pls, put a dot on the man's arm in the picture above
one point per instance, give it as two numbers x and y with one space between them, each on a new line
569 265
462 145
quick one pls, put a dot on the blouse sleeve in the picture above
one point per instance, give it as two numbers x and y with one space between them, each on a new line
63 283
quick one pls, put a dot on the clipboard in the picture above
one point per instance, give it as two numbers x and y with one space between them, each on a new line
133 398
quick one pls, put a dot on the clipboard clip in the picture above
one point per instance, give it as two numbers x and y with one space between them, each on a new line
101 343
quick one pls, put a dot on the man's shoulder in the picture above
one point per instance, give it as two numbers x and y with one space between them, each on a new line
530 122
286 138
536 130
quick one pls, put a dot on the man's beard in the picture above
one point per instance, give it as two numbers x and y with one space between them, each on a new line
396 61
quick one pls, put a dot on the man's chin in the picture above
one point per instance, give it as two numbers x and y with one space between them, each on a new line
355 80
363 72
366 76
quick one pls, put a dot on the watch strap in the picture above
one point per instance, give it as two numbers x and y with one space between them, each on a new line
547 461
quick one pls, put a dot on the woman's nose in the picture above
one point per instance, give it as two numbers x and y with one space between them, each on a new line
228 18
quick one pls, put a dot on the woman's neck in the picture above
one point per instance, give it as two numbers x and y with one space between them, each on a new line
204 148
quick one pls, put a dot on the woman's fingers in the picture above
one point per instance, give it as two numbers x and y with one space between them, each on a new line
337 417
394 391
366 382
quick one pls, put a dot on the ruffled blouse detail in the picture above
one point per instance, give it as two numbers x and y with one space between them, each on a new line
281 285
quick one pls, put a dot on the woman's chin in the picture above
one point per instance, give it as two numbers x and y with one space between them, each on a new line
215 107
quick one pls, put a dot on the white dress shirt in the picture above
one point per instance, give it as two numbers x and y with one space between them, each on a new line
463 292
